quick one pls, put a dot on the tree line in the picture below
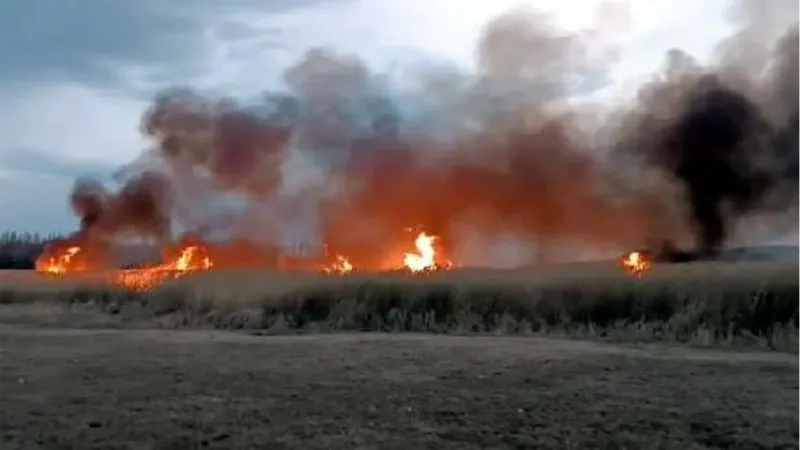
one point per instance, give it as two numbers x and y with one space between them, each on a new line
19 250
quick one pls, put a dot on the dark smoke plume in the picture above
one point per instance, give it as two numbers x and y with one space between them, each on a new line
504 151
726 134
140 207
710 146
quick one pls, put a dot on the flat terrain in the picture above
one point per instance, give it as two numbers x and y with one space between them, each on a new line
84 365
104 389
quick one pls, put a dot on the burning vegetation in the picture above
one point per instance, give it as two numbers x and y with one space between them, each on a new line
192 257
347 163
636 263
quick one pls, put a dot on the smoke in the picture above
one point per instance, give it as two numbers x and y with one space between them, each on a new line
358 162
727 134
140 207
688 127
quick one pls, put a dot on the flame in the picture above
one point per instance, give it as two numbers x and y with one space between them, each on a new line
636 263
341 266
423 261
192 258
425 258
58 264
188 260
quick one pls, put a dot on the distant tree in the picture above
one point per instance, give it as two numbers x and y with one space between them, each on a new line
20 250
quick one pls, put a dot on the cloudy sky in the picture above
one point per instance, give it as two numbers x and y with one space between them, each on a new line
75 76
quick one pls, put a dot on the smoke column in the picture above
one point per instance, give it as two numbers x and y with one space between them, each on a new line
344 155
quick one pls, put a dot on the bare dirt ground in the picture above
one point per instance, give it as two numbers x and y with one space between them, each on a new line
102 388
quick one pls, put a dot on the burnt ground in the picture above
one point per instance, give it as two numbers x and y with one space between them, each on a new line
105 389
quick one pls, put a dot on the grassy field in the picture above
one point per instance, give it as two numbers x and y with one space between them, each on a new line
750 304
84 365
170 389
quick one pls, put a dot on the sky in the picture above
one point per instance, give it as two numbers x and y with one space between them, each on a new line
76 76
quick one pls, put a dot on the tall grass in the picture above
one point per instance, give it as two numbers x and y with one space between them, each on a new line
702 303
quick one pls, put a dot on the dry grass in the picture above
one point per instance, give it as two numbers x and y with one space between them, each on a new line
101 388
162 389
700 303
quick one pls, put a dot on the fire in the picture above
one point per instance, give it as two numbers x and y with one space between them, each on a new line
423 261
341 266
58 264
189 260
425 258
636 263
192 258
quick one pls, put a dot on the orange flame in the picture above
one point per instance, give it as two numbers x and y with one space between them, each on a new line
636 263
341 266
58 264
189 260
425 258
192 258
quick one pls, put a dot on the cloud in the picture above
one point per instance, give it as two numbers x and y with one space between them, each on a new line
33 161
70 122
54 39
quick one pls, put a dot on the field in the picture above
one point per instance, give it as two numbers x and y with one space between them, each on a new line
738 304
577 356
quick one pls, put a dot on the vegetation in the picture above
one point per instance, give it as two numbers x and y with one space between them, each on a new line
124 389
193 389
700 303
20 250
